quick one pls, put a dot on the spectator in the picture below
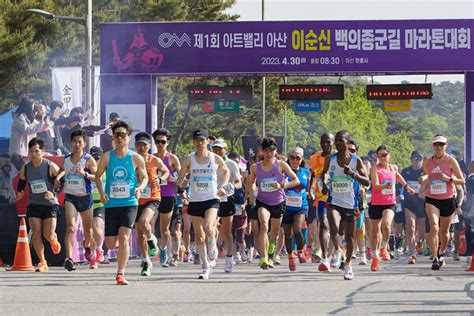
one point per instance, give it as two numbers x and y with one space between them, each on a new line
53 143
25 127
73 122
106 138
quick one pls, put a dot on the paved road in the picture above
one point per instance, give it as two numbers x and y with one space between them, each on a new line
397 288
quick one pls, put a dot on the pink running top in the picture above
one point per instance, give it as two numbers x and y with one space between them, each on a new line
385 196
439 189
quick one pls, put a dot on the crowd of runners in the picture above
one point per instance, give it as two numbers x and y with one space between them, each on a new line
337 208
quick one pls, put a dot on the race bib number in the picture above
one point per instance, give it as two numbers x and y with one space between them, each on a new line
438 187
341 184
390 190
266 184
120 190
38 186
294 199
320 184
163 182
146 192
415 186
455 219
202 184
75 183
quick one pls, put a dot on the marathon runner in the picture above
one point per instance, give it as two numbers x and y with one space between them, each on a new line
343 171
382 208
296 208
270 197
149 200
78 169
415 214
317 166
443 173
204 197
126 177
168 191
43 208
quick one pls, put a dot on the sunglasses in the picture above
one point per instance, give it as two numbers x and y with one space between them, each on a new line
439 144
160 142
295 158
352 150
120 134
382 155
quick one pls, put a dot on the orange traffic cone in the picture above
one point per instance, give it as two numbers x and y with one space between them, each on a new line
22 252
471 268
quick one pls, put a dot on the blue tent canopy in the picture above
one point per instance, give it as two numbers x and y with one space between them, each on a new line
6 123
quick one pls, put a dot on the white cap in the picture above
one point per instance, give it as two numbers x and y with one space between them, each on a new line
297 150
440 139
219 143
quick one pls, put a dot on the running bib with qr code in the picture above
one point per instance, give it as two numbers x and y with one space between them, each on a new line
146 192
438 187
38 186
119 190
341 184
266 184
202 184
294 199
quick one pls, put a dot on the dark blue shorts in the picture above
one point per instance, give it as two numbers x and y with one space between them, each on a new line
322 209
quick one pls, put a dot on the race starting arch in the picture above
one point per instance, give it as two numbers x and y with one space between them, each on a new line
133 55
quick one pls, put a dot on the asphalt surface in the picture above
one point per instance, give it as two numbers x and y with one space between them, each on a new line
398 288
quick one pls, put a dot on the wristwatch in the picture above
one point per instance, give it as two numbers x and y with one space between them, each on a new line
451 179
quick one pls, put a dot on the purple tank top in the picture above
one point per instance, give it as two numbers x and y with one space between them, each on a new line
265 192
167 189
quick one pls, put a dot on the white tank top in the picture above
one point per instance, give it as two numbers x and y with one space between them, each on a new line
203 179
342 190
74 183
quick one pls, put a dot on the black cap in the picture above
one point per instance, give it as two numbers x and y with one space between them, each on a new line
199 133
113 116
143 137
417 155
96 152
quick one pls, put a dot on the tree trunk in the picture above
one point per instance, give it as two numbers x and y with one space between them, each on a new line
163 112
182 127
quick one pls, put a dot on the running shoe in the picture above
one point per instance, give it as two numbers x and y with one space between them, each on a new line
436 264
69 264
173 262
348 273
301 257
342 266
398 253
336 259
271 248
317 256
419 247
187 256
456 256
206 272
244 256
121 280
292 262
94 264
229 264
42 267
426 251
212 251
270 263
55 246
87 251
384 254
237 258
412 260
363 260
152 247
324 266
375 264
308 252
99 254
263 264
442 262
164 258
212 262
146 268
197 259
277 260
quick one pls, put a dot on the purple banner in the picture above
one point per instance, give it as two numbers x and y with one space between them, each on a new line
289 47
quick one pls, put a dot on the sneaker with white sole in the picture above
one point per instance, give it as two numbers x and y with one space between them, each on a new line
206 272
348 273
336 259
229 264
324 266
363 260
